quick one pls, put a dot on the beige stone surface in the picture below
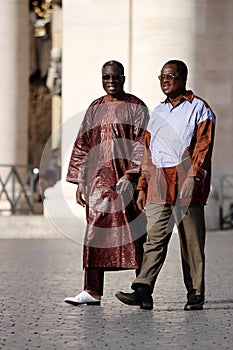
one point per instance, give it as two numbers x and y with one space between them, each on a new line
198 32
14 63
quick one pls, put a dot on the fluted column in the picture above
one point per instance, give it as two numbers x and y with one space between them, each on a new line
14 63
90 38
143 35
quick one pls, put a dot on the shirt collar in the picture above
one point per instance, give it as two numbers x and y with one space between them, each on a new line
189 95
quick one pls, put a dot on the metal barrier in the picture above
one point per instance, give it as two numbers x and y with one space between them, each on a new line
17 183
224 186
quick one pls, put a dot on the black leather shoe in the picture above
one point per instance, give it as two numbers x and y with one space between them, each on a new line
140 297
190 306
195 302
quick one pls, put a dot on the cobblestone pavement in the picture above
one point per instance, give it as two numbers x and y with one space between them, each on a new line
36 275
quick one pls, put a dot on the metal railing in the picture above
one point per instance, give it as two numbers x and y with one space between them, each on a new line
17 185
223 183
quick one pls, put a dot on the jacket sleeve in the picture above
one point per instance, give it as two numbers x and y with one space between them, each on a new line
201 148
146 164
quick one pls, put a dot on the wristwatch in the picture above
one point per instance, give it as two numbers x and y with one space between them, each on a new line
197 178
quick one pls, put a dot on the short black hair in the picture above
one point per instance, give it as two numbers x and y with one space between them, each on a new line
110 63
181 67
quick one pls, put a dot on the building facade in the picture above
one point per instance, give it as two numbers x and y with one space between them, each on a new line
142 35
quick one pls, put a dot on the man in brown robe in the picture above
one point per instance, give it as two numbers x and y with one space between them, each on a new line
105 164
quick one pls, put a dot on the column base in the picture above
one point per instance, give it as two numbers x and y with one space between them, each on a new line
61 208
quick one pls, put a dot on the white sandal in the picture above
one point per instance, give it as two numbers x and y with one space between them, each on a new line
82 298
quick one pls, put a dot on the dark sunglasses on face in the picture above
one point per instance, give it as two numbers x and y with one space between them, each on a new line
107 77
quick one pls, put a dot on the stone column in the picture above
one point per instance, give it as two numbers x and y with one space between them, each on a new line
143 35
14 65
92 34
56 99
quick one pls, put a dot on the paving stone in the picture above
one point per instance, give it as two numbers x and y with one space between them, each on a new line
36 275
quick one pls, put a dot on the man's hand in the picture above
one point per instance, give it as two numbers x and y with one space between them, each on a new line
187 188
80 193
125 184
141 201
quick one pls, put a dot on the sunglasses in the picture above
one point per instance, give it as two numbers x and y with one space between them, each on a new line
107 77
169 76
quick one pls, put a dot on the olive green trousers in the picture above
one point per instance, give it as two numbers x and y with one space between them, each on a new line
190 222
